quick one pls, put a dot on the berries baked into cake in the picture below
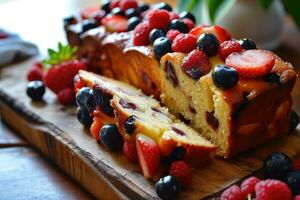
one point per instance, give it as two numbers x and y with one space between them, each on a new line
233 93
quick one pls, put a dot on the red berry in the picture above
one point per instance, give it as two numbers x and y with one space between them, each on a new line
114 4
297 197
171 34
251 63
126 4
228 47
89 12
184 43
158 18
38 64
3 35
115 23
141 34
272 190
66 96
189 23
35 74
232 193
248 185
78 83
182 171
218 31
296 165
173 15
129 150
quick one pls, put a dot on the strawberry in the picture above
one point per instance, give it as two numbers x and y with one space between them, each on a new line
148 154
129 151
251 63
115 23
229 46
182 171
89 12
218 31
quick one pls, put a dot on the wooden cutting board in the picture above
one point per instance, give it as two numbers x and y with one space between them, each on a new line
55 131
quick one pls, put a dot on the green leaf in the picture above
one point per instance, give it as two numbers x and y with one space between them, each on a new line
193 6
213 8
292 8
266 3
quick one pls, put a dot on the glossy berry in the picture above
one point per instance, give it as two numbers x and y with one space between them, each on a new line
85 99
247 44
162 46
272 190
154 34
177 154
126 4
189 23
179 25
173 15
131 12
141 34
158 18
225 77
106 6
171 34
248 185
114 4
89 24
277 165
228 47
208 43
184 43
182 172
185 14
232 193
129 150
84 117
133 22
117 11
292 179
129 124
102 101
294 121
35 90
168 187
111 138
66 96
163 6
143 7
35 74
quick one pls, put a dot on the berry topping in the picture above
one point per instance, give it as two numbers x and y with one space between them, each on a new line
218 31
106 6
232 193
208 43
248 185
187 15
247 44
129 124
111 138
114 4
277 165
126 4
133 22
163 6
148 154
84 117
225 77
161 46
89 24
296 165
158 18
131 12
129 150
294 121
251 63
35 74
66 96
292 179
117 11
196 64
228 47
184 43
78 83
189 23
173 15
171 34
88 12
35 90
177 154
168 187
85 99
143 7
179 25
115 23
141 34
154 34
297 197
182 171
99 16
272 190
102 102
272 78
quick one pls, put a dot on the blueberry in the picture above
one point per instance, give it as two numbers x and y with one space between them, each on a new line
156 33
163 6
225 77
161 46
188 15
247 44
177 154
89 24
84 117
272 78
179 25
129 124
143 7
102 101
110 137
105 6
85 99
277 165
131 12
294 121
208 43
117 11
292 179
168 187
35 90
133 22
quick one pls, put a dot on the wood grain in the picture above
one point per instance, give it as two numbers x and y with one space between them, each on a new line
8 138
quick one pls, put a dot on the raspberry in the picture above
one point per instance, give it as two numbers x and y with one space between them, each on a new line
272 190
184 43
126 4
232 193
182 171
35 74
38 64
171 34
296 165
189 23
114 4
229 47
141 34
297 197
158 19
248 185
173 15
66 96
129 151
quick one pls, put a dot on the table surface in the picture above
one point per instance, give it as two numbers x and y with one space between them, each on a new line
24 173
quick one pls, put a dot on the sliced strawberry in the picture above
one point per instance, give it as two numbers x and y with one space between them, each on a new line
251 63
148 154
115 23
89 12
218 31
